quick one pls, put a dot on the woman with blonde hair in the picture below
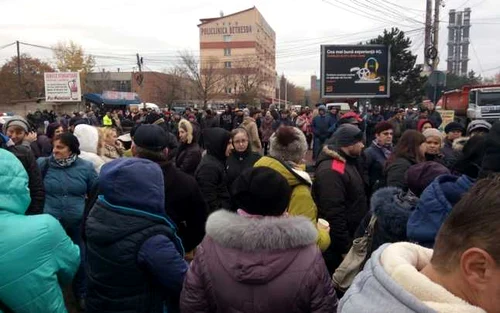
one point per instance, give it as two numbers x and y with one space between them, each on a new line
189 153
109 146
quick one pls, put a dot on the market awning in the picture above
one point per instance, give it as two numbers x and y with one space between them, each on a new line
99 99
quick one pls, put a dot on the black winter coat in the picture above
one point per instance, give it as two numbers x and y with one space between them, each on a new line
341 199
35 184
395 173
184 204
188 157
237 162
211 172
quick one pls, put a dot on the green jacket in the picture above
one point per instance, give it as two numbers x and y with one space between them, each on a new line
35 252
301 202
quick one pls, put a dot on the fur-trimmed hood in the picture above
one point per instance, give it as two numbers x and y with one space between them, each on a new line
393 207
233 231
329 152
256 250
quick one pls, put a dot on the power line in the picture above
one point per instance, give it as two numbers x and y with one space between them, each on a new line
7 45
478 60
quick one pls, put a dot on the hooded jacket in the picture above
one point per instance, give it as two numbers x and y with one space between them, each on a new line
301 201
36 255
134 258
391 282
435 203
250 126
392 207
339 191
211 172
270 264
88 137
35 182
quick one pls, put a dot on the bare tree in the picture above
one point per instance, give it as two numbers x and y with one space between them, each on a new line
249 80
209 78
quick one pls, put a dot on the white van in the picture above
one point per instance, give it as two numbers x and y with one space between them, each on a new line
343 107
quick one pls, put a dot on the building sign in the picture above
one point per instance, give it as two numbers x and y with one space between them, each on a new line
225 30
358 71
119 95
62 87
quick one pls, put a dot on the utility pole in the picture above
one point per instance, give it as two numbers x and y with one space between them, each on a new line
139 62
435 29
428 29
286 92
18 68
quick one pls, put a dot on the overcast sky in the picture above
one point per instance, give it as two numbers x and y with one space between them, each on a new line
115 30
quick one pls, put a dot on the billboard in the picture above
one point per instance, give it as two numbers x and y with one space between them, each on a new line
355 71
62 87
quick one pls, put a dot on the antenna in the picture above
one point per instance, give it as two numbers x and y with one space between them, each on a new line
221 13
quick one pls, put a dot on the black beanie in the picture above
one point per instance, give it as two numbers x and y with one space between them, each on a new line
70 140
347 135
454 126
491 160
262 191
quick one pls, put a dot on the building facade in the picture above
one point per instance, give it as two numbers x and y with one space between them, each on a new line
159 88
458 42
240 49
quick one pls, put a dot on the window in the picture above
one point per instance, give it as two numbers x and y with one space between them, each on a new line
227 38
227 52
228 90
227 64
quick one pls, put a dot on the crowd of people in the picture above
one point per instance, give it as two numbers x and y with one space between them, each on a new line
146 211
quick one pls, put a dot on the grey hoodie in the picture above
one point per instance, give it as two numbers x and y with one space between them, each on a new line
374 291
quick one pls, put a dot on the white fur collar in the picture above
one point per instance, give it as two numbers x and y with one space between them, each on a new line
231 230
403 262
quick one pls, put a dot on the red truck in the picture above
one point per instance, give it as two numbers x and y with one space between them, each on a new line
480 102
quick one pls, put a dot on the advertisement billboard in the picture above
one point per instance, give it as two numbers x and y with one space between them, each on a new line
62 87
355 71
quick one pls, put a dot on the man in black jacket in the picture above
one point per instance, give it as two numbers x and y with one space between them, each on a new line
339 190
35 184
184 202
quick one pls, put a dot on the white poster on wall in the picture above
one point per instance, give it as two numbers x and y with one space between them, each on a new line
61 87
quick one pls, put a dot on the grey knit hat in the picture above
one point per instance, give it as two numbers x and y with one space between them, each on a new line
17 121
347 135
288 143
478 124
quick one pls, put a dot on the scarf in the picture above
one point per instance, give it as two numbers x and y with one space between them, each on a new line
67 162
111 152
387 150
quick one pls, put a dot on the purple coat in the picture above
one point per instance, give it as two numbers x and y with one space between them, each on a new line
258 265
